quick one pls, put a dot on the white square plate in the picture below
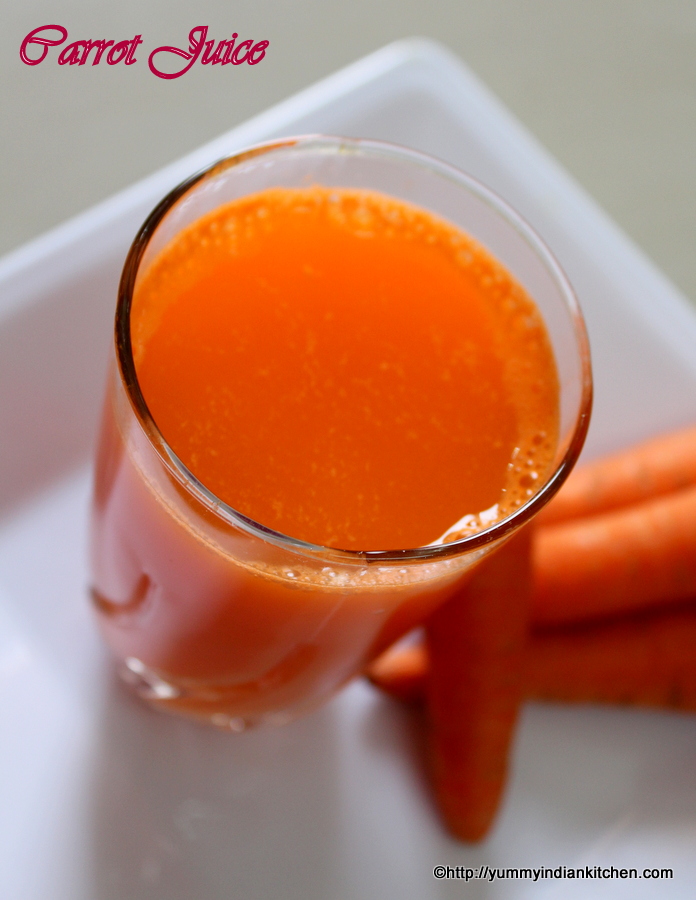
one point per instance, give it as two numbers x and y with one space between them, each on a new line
103 799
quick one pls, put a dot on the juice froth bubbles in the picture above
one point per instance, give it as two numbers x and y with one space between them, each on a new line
319 376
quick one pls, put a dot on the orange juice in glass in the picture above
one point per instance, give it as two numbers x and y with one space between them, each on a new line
344 373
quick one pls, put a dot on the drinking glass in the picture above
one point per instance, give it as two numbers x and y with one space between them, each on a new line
213 615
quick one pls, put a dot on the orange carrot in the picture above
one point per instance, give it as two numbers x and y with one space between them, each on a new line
650 469
476 643
401 672
643 659
629 559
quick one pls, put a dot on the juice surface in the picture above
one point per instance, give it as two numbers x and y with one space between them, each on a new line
345 368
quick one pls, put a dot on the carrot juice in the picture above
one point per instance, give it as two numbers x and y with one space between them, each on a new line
333 365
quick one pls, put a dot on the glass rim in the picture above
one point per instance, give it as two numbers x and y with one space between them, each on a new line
189 481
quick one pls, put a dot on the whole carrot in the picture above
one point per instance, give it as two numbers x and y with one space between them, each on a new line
632 558
643 659
650 469
475 643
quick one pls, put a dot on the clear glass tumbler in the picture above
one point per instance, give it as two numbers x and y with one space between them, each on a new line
215 616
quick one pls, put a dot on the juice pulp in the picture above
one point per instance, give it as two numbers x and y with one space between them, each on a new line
340 367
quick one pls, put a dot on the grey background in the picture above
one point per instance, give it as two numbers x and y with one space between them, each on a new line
608 86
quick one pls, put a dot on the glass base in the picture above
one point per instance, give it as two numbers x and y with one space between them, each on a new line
168 697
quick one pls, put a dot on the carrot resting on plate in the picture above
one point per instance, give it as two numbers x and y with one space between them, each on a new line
650 469
614 549
636 557
476 643
645 659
